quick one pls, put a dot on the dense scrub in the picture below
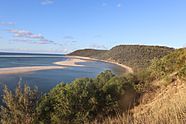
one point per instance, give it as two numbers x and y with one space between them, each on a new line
136 56
87 52
19 107
80 101
174 62
86 99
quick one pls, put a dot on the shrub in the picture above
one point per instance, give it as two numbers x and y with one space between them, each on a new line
85 99
19 108
182 73
168 64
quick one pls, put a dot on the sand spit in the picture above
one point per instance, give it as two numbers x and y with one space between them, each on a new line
19 70
72 61
127 68
59 65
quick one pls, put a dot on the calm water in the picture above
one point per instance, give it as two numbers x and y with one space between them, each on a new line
47 79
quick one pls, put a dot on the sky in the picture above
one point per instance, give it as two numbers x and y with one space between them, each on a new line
62 26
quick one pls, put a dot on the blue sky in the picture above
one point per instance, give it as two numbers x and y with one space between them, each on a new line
61 26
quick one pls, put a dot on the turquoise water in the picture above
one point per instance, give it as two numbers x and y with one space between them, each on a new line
47 79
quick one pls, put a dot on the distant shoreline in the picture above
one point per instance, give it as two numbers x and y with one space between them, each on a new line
71 62
127 68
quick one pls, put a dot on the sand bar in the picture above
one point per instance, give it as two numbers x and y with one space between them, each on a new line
59 65
19 70
71 61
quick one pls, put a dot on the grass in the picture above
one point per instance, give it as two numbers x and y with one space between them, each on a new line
168 106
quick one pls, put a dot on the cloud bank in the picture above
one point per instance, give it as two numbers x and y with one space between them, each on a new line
7 23
29 36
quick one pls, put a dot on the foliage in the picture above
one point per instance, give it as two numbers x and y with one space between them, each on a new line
182 72
168 64
136 56
167 107
84 100
164 104
19 108
87 52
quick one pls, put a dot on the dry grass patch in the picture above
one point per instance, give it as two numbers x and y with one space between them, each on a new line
167 107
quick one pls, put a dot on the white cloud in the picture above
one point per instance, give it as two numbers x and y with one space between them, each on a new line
96 46
47 2
29 37
7 23
184 45
64 50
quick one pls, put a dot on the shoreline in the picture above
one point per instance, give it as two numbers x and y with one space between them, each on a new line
71 62
29 69
127 68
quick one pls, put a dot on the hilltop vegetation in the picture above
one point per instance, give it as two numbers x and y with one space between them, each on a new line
156 95
136 56
174 62
87 52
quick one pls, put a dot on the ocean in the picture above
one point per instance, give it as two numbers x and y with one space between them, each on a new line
47 79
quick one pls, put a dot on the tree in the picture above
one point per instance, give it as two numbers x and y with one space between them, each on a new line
85 99
19 107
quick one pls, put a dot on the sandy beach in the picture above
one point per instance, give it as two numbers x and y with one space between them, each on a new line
71 61
127 68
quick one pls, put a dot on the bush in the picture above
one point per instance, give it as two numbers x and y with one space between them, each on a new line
19 108
83 100
168 64
182 73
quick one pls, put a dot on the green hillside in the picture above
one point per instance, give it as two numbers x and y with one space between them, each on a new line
173 62
135 56
87 52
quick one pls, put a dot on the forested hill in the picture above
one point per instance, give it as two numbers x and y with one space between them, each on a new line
87 52
135 56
